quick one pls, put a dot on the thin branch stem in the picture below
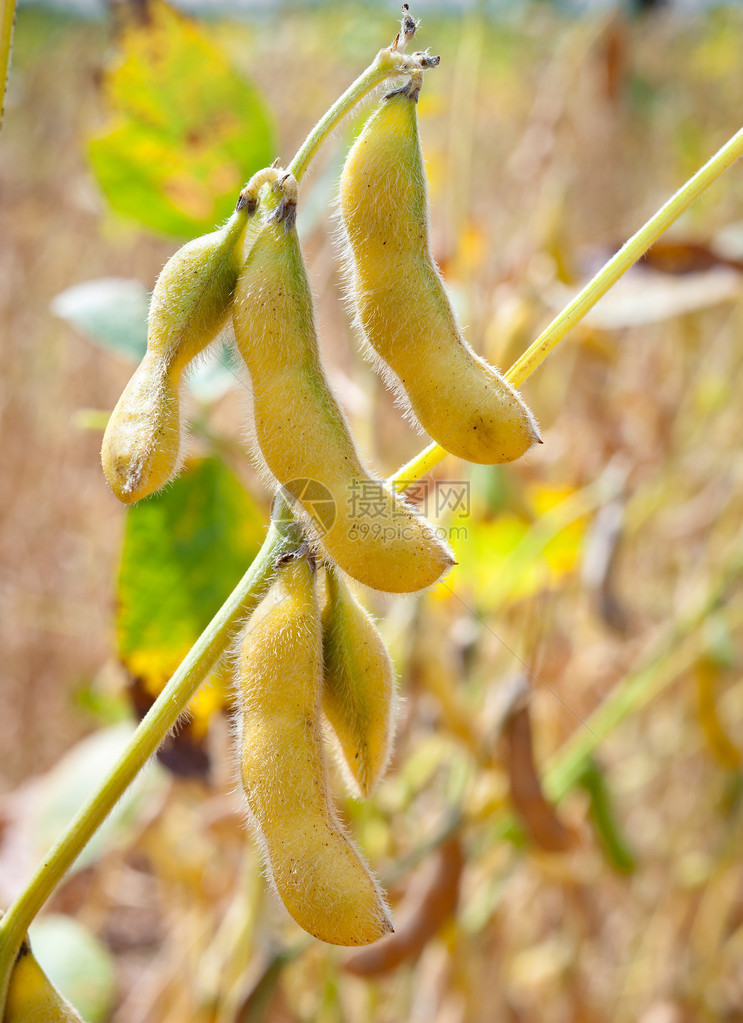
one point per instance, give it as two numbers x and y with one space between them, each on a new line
675 653
629 253
173 700
596 288
387 63
164 713
7 23
225 625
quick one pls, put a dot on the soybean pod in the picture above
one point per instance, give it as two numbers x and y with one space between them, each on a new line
190 305
402 309
302 434
359 696
318 873
32 998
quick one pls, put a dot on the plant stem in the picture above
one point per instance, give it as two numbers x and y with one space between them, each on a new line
7 23
224 626
673 655
596 288
155 726
172 701
387 63
621 261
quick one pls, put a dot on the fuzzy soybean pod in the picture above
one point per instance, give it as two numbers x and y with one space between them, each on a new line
318 873
402 309
303 436
190 306
358 695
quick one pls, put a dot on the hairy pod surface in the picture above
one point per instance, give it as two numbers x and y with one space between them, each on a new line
303 435
142 442
190 305
359 686
191 300
320 876
32 998
401 304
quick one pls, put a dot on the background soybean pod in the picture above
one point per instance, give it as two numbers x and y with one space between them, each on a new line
401 305
320 876
303 436
32 998
190 306
358 694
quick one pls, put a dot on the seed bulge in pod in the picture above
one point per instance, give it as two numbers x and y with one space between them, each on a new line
402 309
190 305
319 874
303 437
359 686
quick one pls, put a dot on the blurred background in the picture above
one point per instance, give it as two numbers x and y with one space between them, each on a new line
560 831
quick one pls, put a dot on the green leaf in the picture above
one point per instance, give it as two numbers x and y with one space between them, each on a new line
185 132
185 549
76 963
111 311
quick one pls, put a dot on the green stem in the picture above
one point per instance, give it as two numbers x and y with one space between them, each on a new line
621 261
225 625
163 715
674 655
387 63
171 703
7 22
596 288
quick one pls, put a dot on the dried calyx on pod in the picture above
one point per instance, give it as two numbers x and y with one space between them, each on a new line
301 432
359 698
319 874
402 309
190 306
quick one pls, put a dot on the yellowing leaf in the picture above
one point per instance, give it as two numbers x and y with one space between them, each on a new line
186 130
561 554
717 56
208 699
542 497
509 559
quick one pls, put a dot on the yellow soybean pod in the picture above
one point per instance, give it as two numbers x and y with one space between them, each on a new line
358 694
190 306
318 873
32 998
402 308
303 436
